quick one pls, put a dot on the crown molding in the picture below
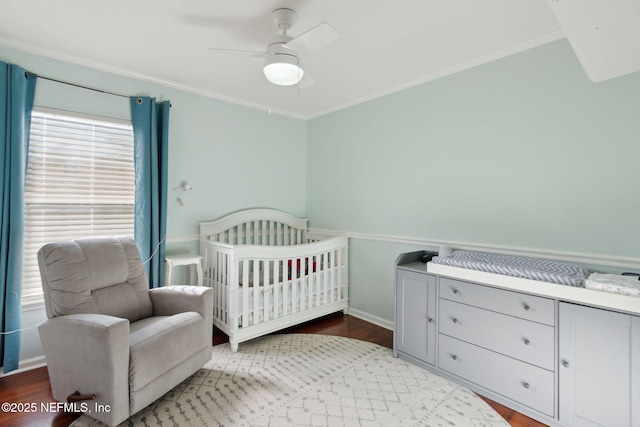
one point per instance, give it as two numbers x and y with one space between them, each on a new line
52 54
499 54
37 50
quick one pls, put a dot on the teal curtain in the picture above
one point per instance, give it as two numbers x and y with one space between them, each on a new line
150 121
17 90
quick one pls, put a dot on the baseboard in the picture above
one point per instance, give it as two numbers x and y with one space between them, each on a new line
27 365
383 323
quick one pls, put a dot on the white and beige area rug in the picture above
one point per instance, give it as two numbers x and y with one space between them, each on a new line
313 380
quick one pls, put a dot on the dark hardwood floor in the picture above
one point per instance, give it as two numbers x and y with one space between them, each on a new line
32 387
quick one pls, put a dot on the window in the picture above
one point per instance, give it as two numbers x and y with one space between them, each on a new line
80 183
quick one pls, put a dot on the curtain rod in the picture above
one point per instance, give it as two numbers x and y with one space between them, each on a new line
77 85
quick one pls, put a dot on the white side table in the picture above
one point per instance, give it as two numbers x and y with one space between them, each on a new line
171 261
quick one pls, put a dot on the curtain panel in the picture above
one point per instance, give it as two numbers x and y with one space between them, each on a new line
150 120
17 90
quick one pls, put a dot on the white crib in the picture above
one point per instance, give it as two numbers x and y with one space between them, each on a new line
268 272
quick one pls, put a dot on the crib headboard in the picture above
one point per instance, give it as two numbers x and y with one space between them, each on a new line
265 227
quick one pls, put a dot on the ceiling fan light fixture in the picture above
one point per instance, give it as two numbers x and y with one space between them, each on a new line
283 69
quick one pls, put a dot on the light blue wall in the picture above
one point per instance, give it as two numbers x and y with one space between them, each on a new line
524 152
234 157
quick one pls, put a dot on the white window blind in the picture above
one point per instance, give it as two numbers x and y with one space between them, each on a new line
80 183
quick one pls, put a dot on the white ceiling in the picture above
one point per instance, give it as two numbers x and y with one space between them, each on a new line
384 46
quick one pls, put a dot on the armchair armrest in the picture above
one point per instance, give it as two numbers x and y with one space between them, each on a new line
170 300
89 353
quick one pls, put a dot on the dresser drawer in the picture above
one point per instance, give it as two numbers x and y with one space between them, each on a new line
521 339
524 306
524 383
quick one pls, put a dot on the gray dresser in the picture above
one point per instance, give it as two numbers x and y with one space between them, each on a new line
562 363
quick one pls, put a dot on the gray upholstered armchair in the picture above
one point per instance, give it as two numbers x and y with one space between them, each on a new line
108 334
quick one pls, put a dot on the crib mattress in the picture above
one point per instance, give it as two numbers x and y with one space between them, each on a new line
527 268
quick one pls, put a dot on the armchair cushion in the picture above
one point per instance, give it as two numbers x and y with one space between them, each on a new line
75 279
158 343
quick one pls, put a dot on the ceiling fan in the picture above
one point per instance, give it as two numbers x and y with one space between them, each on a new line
282 64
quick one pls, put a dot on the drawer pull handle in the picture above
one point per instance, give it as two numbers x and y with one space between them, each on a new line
430 319
455 291
454 320
565 363
526 341
526 306
454 357
526 385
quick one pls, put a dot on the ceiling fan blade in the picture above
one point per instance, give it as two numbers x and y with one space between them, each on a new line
250 53
314 39
307 79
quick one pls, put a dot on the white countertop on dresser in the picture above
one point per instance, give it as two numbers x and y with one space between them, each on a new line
594 298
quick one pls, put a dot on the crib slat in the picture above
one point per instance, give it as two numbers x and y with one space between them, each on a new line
217 277
233 299
288 283
310 275
320 274
295 282
332 260
211 272
245 293
271 233
266 303
255 232
341 275
255 291
302 286
276 233
223 284
276 288
325 277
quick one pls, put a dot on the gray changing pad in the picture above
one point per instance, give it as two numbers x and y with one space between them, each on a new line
527 268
